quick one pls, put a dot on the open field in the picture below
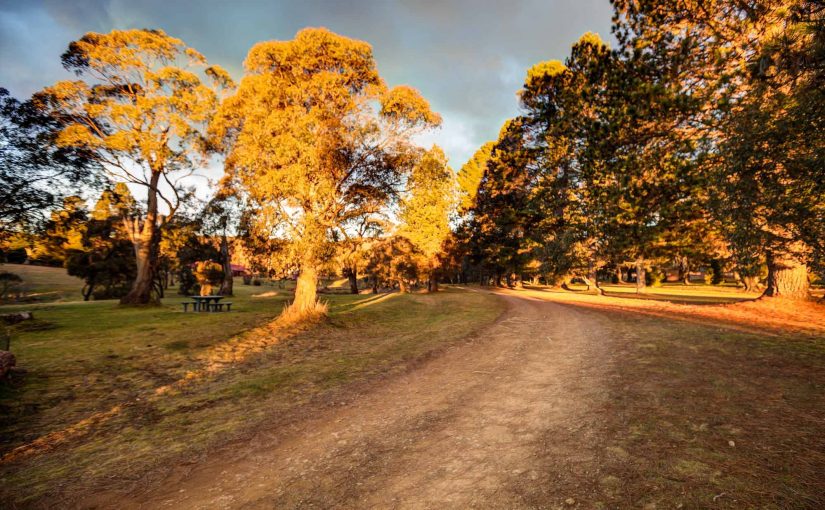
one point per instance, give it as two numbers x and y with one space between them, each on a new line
94 371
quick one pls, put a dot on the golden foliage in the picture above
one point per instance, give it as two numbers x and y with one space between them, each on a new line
316 139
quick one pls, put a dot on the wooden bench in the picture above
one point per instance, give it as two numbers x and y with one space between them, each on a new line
208 307
187 303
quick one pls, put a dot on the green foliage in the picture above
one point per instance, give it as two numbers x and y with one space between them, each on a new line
425 211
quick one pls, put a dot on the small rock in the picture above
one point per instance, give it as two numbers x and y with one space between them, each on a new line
731 444
570 501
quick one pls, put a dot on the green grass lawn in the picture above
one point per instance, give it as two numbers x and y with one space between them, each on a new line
84 358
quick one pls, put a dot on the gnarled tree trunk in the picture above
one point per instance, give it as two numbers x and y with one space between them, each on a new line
352 276
787 277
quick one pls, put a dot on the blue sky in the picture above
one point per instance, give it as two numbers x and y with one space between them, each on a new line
468 57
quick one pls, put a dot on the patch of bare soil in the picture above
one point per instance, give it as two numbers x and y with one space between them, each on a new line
555 406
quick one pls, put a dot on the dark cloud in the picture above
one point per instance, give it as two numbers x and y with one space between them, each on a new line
468 57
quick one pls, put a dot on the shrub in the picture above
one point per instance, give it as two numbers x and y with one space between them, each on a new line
657 276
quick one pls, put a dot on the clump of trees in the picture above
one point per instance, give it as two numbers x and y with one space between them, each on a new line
693 143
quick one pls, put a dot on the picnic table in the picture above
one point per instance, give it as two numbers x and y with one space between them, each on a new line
206 304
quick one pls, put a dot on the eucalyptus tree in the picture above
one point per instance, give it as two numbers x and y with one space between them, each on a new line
317 140
140 111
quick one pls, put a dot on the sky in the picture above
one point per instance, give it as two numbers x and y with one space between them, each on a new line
467 57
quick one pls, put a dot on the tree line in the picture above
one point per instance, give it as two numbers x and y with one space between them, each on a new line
321 171
696 142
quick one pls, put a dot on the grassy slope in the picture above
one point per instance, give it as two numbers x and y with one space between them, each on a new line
44 284
100 355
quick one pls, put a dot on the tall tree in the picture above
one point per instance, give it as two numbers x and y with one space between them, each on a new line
425 211
317 140
755 70
35 174
470 175
140 112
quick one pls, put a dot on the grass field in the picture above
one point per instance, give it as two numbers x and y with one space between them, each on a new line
94 368
46 284
679 292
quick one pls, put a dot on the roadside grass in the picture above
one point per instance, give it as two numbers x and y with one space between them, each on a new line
701 416
81 356
101 358
679 292
45 284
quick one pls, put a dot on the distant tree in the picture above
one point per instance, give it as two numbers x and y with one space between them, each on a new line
208 274
470 175
393 261
221 216
62 233
426 209
140 113
317 140
104 257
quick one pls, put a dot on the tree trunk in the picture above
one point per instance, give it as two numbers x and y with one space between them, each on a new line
402 286
535 281
352 276
306 290
641 285
146 243
432 283
375 285
684 270
228 280
751 283
787 277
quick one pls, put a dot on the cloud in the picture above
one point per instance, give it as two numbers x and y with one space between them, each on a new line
468 57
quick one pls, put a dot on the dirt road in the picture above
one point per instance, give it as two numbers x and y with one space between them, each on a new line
517 418
486 424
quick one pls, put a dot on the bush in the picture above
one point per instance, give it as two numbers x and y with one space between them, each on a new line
657 276
256 282
14 256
